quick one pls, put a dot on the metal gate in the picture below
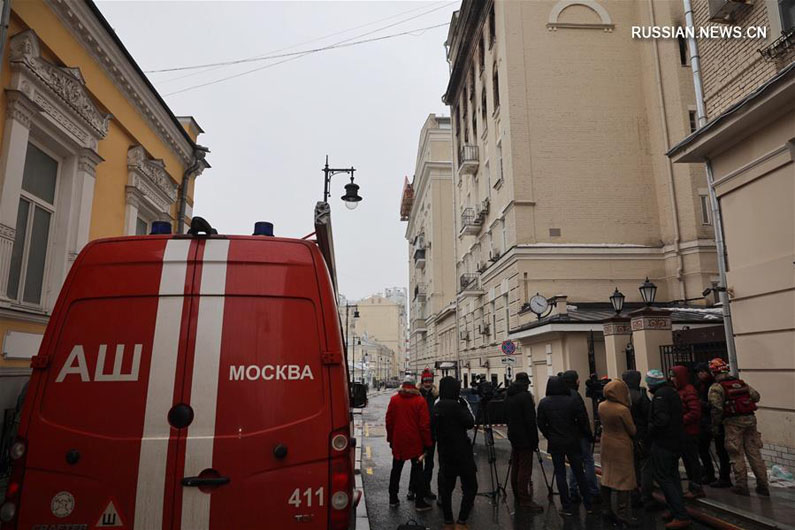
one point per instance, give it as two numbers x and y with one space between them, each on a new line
693 346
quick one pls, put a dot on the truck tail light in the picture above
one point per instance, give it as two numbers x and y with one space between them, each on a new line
340 479
341 509
10 507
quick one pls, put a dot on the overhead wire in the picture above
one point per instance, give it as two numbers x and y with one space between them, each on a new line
299 55
323 37
278 56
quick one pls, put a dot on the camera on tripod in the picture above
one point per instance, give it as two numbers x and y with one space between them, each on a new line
595 387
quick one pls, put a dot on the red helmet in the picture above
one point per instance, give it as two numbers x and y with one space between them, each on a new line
718 366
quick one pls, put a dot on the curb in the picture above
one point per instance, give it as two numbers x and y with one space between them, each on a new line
362 519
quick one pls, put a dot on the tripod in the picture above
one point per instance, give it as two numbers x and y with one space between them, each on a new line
497 488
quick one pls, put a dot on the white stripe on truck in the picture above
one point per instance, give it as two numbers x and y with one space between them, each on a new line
149 495
204 386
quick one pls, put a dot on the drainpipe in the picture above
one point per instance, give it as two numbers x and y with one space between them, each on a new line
196 164
669 167
5 17
717 220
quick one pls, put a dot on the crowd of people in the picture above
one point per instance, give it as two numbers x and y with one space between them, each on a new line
644 435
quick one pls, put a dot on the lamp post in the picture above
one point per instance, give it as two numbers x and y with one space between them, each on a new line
347 318
351 197
648 291
617 299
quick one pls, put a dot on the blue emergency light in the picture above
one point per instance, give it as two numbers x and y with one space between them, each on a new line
161 227
263 228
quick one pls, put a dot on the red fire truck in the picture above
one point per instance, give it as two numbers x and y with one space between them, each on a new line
189 382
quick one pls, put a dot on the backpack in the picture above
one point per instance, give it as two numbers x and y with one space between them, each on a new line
737 398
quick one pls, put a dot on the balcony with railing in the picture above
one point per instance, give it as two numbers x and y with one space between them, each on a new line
470 221
419 258
468 159
469 284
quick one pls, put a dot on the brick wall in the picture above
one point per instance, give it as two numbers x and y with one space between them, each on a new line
779 454
733 68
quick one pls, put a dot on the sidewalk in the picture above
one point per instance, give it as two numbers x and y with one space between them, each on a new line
775 512
362 519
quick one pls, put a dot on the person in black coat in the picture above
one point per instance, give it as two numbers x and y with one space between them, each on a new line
563 422
665 436
520 415
450 421
639 408
572 380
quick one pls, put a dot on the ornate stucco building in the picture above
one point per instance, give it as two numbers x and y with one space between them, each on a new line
88 150
748 143
381 320
427 206
561 186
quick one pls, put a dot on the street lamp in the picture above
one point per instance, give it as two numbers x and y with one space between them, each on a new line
648 291
351 197
617 299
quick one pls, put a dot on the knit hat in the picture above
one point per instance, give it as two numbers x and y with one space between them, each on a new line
718 366
427 375
409 380
522 378
654 378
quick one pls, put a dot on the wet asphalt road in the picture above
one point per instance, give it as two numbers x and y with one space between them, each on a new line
377 463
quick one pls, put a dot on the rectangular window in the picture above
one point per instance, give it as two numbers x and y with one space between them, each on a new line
493 319
496 88
499 164
487 174
705 210
682 50
482 53
786 9
483 105
507 305
492 27
34 220
494 379
691 114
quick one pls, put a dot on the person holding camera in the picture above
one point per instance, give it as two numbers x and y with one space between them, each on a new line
520 415
450 421
572 380
563 422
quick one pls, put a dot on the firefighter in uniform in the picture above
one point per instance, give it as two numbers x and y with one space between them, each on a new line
733 403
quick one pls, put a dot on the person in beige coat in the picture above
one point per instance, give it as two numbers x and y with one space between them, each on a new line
618 463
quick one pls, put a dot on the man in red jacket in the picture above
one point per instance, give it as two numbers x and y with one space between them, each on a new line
691 420
408 432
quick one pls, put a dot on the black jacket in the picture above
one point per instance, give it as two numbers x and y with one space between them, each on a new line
640 403
562 418
450 421
520 415
571 379
430 398
702 387
665 418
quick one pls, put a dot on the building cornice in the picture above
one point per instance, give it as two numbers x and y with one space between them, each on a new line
92 31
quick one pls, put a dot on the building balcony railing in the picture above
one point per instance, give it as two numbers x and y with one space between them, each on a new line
470 221
468 159
419 258
420 291
470 285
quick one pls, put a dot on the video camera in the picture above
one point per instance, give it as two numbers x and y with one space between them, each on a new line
595 387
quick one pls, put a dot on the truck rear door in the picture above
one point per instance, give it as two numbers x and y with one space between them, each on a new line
256 453
101 452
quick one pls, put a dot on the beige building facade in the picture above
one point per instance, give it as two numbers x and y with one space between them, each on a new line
427 206
748 141
382 319
561 186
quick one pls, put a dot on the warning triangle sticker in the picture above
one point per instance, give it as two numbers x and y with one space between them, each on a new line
110 517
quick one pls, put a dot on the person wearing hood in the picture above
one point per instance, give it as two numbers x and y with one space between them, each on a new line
572 380
705 437
691 421
664 436
430 394
618 463
563 422
639 408
520 415
450 421
408 432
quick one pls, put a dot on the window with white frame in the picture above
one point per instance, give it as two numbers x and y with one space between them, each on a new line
498 181
34 224
493 307
507 306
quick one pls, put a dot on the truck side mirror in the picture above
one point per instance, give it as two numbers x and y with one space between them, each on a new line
358 395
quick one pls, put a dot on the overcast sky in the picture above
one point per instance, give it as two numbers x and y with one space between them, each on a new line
269 131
